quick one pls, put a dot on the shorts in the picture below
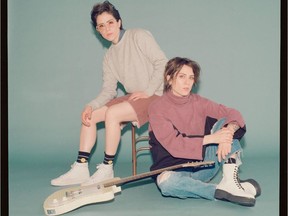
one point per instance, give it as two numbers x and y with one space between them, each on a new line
140 106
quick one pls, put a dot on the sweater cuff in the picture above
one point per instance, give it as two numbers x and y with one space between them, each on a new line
93 105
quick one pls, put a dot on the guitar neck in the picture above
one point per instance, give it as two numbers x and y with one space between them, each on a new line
155 172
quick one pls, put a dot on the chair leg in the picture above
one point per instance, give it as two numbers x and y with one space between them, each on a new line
134 153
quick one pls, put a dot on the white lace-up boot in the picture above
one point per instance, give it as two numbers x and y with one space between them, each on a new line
104 172
251 186
78 174
230 189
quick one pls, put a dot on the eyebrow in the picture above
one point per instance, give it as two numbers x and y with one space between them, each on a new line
185 74
106 21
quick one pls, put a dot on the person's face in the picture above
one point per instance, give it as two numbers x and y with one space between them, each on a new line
108 27
183 82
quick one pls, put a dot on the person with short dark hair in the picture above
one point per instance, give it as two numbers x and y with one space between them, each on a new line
135 60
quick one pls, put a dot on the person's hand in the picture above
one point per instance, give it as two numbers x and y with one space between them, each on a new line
224 138
138 95
86 116
223 135
233 126
223 150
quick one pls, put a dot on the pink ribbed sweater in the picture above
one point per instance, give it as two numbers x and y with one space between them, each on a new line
170 114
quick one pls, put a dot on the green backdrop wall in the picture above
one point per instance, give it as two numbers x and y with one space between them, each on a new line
55 63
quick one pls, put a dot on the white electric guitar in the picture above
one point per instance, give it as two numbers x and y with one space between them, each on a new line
68 199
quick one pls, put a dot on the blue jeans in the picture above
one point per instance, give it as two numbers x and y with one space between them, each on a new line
194 183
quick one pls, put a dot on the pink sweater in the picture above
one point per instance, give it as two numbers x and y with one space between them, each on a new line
170 117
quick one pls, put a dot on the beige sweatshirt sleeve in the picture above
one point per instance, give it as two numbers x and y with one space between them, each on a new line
156 56
109 87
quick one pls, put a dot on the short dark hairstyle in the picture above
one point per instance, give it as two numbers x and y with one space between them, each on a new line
100 8
173 67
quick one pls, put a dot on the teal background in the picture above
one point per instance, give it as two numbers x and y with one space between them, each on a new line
55 67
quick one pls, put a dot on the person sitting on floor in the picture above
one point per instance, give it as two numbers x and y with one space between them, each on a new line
185 127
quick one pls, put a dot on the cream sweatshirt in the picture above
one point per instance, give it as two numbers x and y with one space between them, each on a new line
137 62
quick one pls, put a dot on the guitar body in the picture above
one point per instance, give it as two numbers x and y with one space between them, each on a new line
68 199
71 198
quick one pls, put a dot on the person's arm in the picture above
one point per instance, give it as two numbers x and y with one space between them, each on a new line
223 135
233 118
234 122
109 87
233 126
224 139
155 55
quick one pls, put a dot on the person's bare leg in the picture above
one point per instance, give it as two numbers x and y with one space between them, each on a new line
79 172
88 134
115 115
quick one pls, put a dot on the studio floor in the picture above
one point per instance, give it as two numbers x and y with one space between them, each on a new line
29 186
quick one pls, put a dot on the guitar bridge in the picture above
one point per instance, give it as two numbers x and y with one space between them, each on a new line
73 193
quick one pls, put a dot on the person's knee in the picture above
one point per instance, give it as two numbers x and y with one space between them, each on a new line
119 113
111 114
163 177
98 115
166 183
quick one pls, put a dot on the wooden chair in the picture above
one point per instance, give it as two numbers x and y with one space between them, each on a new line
136 139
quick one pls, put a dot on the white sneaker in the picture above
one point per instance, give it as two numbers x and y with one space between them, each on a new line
230 189
104 172
78 174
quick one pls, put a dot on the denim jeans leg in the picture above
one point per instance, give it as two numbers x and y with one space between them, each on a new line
182 185
208 174
193 184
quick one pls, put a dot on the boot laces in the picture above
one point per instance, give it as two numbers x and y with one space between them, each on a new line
236 178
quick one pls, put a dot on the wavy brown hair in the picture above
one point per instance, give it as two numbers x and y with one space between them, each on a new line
173 67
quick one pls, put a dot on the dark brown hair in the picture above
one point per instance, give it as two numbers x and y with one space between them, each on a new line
100 8
173 67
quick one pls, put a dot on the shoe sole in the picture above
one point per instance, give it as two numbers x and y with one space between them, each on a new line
67 184
255 184
224 195
88 183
